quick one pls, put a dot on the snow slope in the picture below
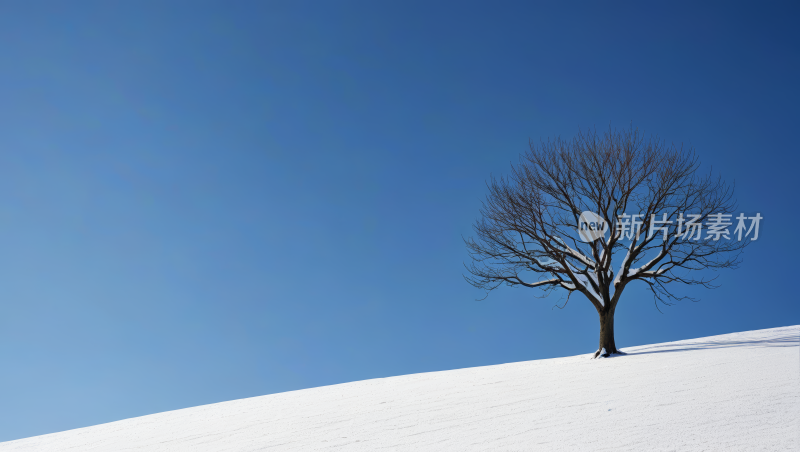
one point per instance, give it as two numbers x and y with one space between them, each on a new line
724 393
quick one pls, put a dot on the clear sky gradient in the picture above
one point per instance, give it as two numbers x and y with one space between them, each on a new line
204 201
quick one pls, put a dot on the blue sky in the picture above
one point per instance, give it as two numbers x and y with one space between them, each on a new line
204 201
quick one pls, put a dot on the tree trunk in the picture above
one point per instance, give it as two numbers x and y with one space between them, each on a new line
606 334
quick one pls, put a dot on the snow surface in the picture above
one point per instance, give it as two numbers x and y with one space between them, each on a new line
723 393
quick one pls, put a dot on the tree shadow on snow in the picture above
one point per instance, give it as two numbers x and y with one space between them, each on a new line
789 339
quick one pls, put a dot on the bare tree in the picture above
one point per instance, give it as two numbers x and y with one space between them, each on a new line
528 233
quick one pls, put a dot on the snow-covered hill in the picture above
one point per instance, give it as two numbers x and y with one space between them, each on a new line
724 393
